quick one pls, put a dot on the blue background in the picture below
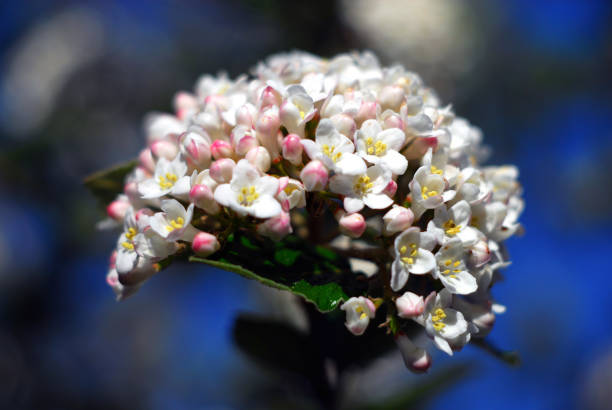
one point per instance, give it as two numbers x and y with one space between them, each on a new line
541 91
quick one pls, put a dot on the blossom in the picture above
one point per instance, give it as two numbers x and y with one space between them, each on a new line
174 223
451 269
169 178
381 147
296 110
453 223
363 190
334 150
250 193
428 190
359 311
412 255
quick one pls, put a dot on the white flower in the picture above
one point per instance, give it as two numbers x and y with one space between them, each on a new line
359 311
428 190
174 223
250 193
447 327
296 110
366 189
412 255
126 250
169 178
291 193
381 147
334 150
451 269
453 223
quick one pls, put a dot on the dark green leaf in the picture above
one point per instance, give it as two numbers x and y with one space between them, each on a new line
108 183
325 297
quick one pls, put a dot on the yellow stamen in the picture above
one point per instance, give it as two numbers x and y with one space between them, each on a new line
425 192
450 227
128 245
131 232
363 184
436 170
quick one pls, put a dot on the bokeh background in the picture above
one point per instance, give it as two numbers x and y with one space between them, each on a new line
76 79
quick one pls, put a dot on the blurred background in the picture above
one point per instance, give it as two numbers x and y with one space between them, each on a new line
76 79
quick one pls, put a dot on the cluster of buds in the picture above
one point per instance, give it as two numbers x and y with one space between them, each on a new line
371 145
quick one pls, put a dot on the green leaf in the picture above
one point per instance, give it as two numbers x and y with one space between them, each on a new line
108 183
324 279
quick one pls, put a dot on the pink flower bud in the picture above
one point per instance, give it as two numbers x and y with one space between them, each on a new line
390 189
409 305
243 139
314 176
392 120
344 124
184 103
146 161
353 225
164 149
276 228
415 358
292 149
222 169
245 115
267 127
391 97
269 97
397 219
419 147
131 190
117 209
202 196
205 244
196 149
221 149
260 158
367 111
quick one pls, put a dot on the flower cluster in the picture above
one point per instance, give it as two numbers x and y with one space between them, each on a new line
370 145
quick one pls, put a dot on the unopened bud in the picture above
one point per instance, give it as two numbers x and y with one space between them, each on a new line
267 127
146 161
243 140
352 225
390 189
164 149
391 97
314 176
410 305
367 111
245 115
415 358
292 149
344 124
205 244
276 228
397 219
116 210
221 149
260 158
202 196
222 170
269 97
196 149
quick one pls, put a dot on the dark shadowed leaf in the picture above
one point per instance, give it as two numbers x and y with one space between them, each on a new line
108 183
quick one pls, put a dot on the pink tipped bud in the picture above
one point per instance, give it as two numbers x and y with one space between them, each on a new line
367 111
390 189
391 97
243 139
164 149
117 209
203 198
267 127
222 170
245 115
415 358
131 190
196 149
205 244
292 149
260 158
419 147
397 219
276 228
314 176
146 161
409 305
221 149
269 97
344 124
184 103
353 225
392 120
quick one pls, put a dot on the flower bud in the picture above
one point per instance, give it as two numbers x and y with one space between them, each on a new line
314 176
202 196
391 97
116 210
131 190
276 228
221 149
269 97
352 225
196 149
415 358
158 126
164 149
479 253
390 189
419 147
184 104
205 244
243 139
267 127
245 115
292 149
397 219
367 111
409 305
222 169
344 124
146 161
392 120
260 158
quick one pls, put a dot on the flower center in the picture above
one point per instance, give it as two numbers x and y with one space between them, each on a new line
375 148
363 185
177 223
129 234
438 318
168 181
436 170
247 195
414 251
359 309
451 228
329 151
426 192
450 264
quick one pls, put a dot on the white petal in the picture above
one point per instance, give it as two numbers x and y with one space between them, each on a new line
423 262
265 207
443 345
312 148
377 201
225 195
396 162
342 184
352 204
461 213
393 137
149 188
399 275
351 164
267 185
462 284
126 260
159 223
